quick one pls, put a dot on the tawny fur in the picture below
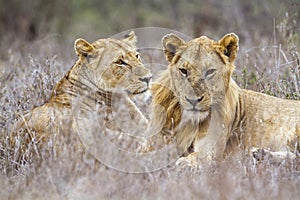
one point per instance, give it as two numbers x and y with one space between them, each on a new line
106 72
224 117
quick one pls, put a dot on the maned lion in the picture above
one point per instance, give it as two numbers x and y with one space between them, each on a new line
209 116
106 73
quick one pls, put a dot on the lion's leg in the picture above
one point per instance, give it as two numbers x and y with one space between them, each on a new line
137 116
127 117
199 156
126 125
208 142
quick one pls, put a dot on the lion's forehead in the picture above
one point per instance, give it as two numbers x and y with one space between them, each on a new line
113 44
200 52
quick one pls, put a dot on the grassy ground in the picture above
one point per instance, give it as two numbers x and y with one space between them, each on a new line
28 74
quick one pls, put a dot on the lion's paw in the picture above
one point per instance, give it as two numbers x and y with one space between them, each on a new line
276 157
258 154
190 162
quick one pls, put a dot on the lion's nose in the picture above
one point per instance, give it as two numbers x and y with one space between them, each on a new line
146 79
194 101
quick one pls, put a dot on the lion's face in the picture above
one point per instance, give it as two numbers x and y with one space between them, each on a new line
200 71
115 64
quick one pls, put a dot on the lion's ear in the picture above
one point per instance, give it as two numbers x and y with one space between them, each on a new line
230 45
82 47
131 39
171 44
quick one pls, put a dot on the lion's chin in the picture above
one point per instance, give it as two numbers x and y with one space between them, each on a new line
194 116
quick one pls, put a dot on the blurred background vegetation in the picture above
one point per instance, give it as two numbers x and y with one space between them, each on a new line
34 19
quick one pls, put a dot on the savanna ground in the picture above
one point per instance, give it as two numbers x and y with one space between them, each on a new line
31 64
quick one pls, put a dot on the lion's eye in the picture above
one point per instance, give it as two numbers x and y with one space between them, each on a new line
120 62
210 72
138 56
183 71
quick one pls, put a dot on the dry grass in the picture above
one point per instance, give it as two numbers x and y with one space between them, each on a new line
27 81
